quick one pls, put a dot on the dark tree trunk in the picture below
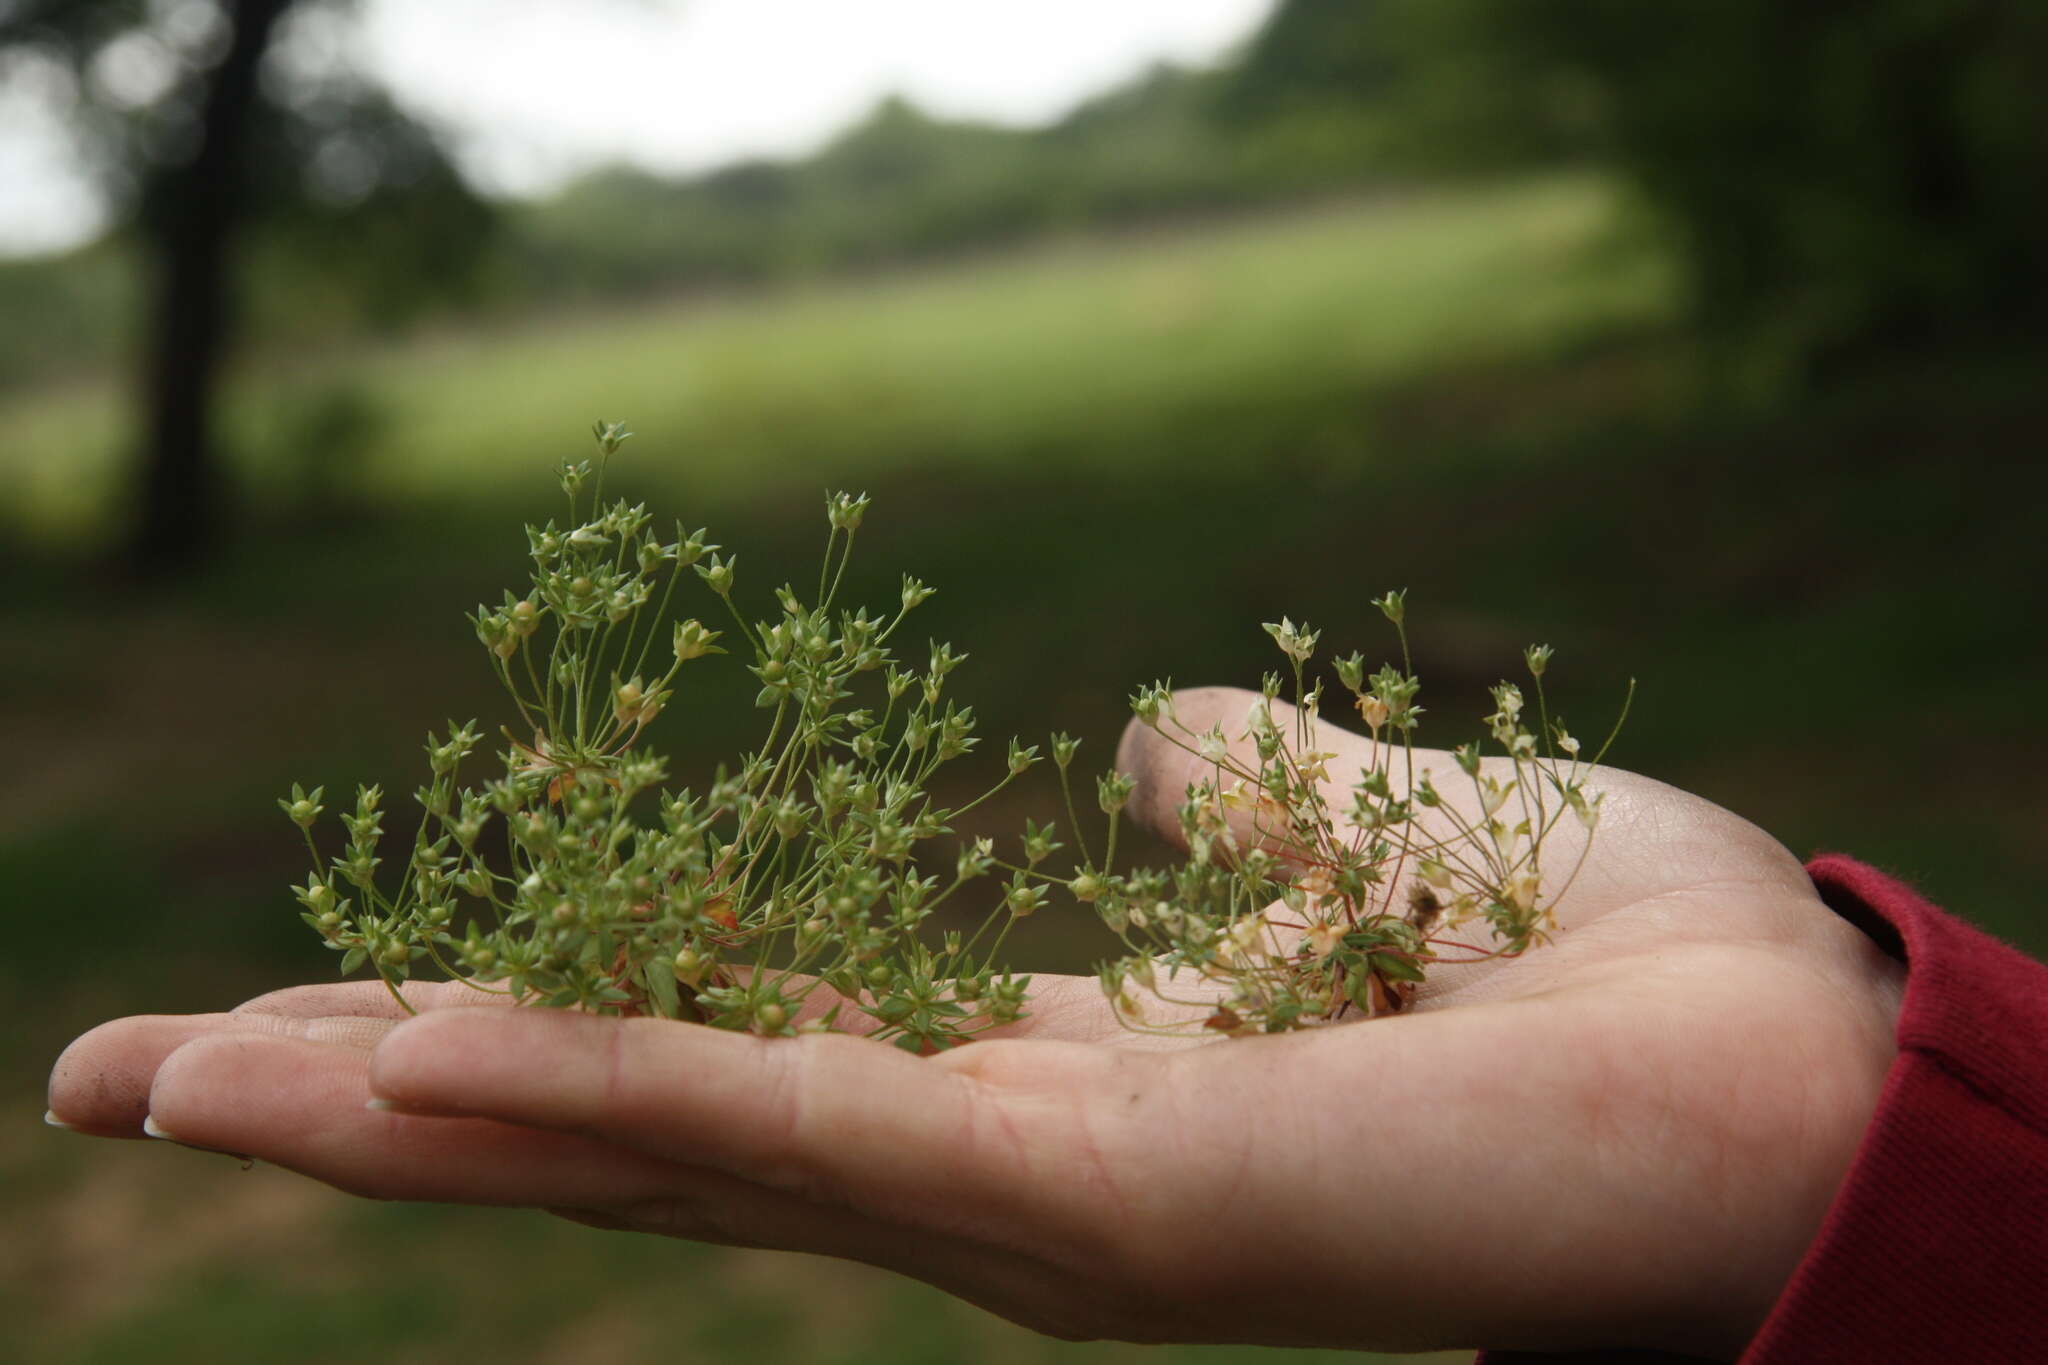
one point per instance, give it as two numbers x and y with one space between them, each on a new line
189 229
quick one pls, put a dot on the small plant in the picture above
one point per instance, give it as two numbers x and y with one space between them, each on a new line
1324 912
733 904
575 877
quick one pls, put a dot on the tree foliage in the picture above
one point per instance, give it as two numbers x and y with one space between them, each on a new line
1842 177
205 141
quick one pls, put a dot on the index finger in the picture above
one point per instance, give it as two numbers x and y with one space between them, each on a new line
100 1084
836 1120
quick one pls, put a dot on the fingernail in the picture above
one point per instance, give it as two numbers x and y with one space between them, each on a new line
381 1105
156 1130
50 1117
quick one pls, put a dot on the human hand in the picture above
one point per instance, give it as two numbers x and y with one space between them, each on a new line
1625 1138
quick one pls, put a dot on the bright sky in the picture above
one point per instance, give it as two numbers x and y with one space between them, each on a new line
534 91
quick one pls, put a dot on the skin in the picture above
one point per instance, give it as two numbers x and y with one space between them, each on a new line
1628 1137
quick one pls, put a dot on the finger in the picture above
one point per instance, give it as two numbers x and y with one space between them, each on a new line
1164 758
302 1106
101 1083
370 999
1652 839
1169 758
1166 761
305 1107
838 1121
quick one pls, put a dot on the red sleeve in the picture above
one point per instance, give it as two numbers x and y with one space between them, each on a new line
1936 1246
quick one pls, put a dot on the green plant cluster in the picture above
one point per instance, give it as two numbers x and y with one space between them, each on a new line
796 873
1298 912
790 873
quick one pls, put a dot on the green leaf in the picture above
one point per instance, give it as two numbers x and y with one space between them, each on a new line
1396 968
660 981
353 959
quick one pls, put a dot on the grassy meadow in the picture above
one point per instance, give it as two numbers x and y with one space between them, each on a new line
1115 457
1067 356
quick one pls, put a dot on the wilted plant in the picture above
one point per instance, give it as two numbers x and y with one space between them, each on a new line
575 877
1322 912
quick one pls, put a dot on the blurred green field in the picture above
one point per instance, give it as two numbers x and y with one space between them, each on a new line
1115 457
1053 357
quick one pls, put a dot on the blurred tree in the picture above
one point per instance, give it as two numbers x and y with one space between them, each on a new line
1843 177
1318 51
198 135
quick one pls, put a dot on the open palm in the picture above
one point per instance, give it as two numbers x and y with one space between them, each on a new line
1625 1138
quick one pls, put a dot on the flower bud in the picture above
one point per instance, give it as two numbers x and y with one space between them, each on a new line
1113 790
693 641
1351 671
718 574
845 511
628 701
